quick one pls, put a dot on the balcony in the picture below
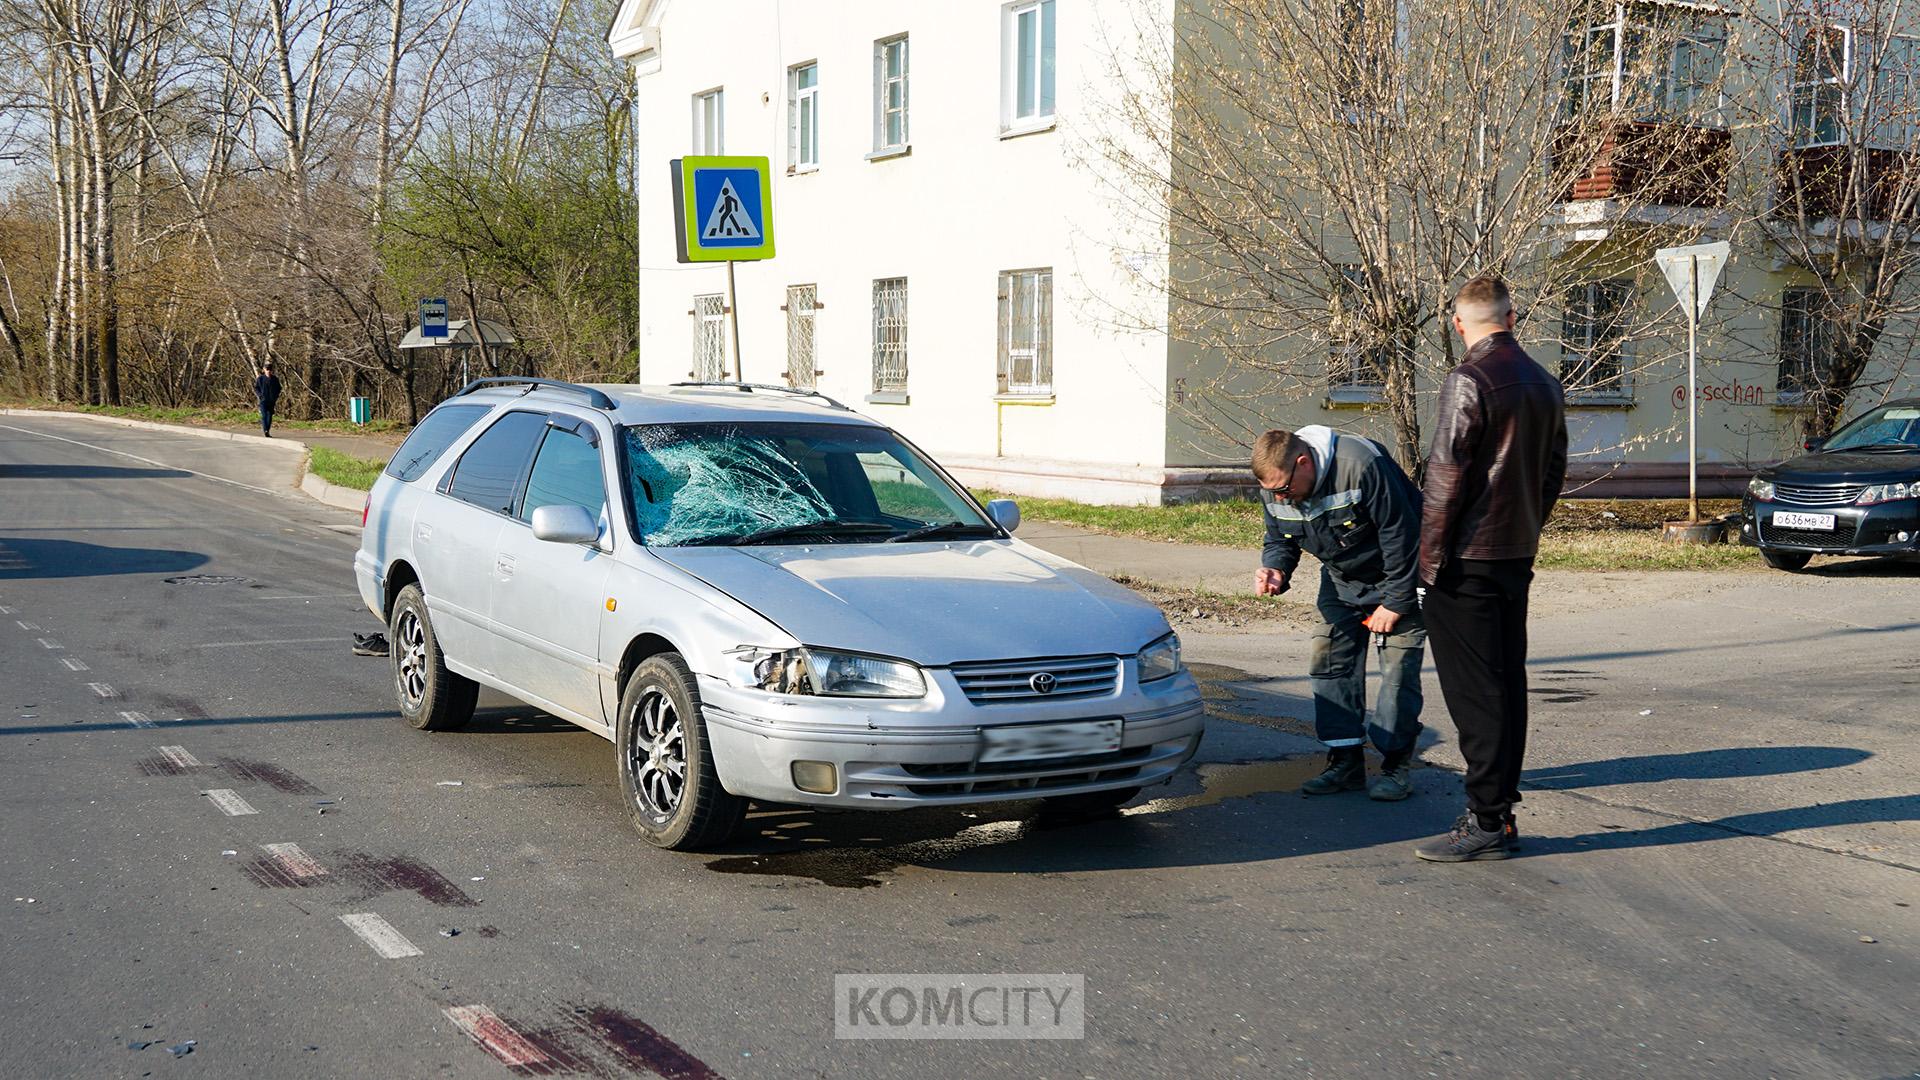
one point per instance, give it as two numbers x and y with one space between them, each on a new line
1644 163
1827 182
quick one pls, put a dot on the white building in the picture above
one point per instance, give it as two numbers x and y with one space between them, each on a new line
938 264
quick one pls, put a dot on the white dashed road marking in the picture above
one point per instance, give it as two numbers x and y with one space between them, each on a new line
379 936
495 1036
72 664
229 803
179 756
136 718
25 625
103 689
4 610
49 643
293 862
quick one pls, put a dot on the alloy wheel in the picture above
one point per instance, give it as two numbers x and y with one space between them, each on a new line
411 667
657 754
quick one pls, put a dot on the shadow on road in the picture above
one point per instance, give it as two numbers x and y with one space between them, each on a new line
1866 568
1696 765
84 472
31 558
1764 823
515 720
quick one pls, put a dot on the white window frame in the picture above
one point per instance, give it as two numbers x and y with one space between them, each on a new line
714 140
1036 354
1611 83
1045 79
1838 84
1896 96
709 313
803 119
883 84
890 310
1579 340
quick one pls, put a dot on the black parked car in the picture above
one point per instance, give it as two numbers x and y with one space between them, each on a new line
1857 493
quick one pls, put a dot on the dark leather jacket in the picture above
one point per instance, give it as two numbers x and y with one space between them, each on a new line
1498 459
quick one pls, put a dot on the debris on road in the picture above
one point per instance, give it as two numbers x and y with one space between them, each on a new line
138 1045
451 783
1869 939
1646 712
451 931
183 1049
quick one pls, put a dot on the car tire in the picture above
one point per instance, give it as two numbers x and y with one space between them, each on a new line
1087 804
431 697
1790 561
661 737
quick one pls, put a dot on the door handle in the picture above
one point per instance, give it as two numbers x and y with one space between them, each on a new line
503 565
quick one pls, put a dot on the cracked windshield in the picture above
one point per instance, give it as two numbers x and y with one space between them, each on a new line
724 484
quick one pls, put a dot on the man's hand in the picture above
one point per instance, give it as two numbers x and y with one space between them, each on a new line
1382 621
1269 582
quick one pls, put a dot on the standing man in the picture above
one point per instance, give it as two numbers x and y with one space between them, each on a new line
1345 500
1498 459
266 390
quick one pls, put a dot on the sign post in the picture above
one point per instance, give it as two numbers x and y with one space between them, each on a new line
723 212
1693 271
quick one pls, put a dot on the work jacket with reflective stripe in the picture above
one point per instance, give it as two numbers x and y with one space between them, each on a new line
1362 522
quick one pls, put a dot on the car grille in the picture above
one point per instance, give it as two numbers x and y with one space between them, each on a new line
956 778
1010 681
1839 539
1824 495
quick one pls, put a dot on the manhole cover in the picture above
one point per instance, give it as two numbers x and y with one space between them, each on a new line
206 579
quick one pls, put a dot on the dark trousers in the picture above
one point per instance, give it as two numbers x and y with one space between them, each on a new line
1339 676
1477 626
266 417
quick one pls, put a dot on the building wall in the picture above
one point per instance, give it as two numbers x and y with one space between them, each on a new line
965 204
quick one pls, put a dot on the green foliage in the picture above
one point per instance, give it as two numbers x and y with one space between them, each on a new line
344 470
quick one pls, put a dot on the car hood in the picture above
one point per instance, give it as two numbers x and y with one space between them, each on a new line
1842 467
932 603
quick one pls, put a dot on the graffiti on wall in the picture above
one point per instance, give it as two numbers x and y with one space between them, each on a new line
1732 393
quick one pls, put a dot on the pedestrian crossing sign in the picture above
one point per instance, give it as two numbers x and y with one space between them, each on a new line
724 208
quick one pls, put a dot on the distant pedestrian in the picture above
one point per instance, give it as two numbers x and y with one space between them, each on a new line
266 390
1347 502
1498 459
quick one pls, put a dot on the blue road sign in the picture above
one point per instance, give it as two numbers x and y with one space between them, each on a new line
725 208
433 318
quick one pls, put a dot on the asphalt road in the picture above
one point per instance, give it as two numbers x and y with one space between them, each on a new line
1688 904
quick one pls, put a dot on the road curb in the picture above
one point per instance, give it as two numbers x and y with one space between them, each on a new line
311 485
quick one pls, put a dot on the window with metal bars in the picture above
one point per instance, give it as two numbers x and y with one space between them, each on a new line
802 300
890 335
1593 333
1026 331
709 337
1806 340
1356 359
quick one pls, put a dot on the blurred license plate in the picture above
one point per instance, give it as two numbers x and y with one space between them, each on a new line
1823 522
1029 741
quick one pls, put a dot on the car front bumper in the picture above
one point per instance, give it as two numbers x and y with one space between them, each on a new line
926 752
1889 528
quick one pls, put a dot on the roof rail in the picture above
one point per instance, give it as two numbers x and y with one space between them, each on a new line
595 398
749 387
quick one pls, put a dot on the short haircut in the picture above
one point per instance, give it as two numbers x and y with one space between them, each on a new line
1483 300
1274 450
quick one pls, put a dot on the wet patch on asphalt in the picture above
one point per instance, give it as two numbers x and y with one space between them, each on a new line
368 875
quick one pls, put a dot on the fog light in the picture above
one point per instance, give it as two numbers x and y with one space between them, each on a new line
815 777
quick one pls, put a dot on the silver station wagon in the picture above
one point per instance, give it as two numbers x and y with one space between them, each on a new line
758 594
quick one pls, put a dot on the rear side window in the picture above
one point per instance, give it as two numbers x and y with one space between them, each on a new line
488 474
567 473
431 438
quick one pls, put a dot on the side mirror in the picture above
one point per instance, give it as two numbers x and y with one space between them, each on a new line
1005 513
565 525
1813 445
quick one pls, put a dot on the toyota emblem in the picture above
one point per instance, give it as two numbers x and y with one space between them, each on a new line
1043 682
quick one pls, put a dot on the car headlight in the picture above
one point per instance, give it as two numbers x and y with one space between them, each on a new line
1760 489
1880 493
1161 659
825 672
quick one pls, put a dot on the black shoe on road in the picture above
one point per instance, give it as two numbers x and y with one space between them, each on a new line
369 645
1467 842
1346 771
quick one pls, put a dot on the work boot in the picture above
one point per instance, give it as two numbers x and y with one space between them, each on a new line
1346 771
1466 842
1395 781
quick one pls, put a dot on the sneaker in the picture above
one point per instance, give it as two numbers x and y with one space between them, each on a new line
1466 842
1395 781
369 645
1346 771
